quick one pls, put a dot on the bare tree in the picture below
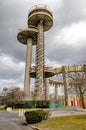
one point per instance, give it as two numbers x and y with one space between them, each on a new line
3 96
33 95
14 95
79 79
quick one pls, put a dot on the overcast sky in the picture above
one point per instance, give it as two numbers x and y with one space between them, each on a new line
65 42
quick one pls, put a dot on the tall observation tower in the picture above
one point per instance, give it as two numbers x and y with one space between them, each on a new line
40 19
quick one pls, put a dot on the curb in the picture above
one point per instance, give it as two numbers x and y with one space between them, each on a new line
34 128
80 109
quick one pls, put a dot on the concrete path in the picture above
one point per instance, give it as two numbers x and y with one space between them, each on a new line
10 121
66 112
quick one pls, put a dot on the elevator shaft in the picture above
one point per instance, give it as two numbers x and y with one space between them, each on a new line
40 62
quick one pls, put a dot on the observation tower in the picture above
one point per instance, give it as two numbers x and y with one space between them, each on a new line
40 19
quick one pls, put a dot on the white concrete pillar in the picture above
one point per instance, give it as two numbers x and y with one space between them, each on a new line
27 69
56 92
66 84
46 88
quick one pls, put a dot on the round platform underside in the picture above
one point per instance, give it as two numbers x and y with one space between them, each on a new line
41 14
47 74
25 34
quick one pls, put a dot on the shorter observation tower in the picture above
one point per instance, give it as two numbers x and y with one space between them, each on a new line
40 19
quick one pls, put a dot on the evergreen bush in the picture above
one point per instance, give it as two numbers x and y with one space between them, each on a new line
34 116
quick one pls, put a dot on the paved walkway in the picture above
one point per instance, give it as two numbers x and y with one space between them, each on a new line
10 121
66 112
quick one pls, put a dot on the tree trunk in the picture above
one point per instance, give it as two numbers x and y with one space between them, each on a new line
81 97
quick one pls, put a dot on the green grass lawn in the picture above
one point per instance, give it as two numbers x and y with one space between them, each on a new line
76 122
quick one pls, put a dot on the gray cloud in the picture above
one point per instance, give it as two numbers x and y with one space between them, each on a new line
66 54
70 11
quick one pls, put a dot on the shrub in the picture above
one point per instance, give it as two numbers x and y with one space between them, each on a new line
34 116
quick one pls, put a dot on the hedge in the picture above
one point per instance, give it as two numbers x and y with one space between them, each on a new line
34 116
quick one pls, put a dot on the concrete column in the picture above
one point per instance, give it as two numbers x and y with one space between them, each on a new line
27 69
40 62
56 92
66 84
46 88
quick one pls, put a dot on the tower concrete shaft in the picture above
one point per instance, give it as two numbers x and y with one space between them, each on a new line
27 68
28 37
40 62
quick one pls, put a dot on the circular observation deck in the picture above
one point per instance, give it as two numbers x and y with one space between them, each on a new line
47 70
25 34
40 12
